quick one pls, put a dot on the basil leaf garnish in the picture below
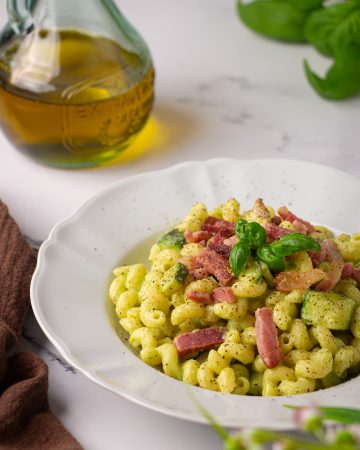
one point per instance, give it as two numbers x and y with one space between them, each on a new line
275 262
253 232
239 255
292 243
256 235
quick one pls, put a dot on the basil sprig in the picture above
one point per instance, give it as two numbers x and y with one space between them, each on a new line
275 262
252 232
252 236
335 32
333 28
239 255
274 254
278 19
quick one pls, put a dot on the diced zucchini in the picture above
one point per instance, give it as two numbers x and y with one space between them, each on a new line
174 278
327 309
172 239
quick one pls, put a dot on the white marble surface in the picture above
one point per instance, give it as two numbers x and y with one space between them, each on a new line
221 91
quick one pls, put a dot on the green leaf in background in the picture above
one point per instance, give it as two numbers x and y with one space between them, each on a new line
338 438
232 443
343 78
306 5
335 31
344 438
346 416
278 19
335 27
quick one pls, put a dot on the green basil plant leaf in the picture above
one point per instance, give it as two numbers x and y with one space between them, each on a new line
306 5
278 19
343 78
239 255
335 31
334 27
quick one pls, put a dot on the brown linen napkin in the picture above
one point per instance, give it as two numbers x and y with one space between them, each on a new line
26 422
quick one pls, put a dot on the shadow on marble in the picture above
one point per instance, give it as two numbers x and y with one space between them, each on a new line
166 131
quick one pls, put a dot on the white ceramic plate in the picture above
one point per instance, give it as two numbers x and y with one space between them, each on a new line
118 225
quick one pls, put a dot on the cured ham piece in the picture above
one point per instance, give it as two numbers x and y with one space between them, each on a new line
216 265
218 295
196 236
330 254
290 281
347 270
350 271
356 274
190 262
204 298
301 226
333 275
196 270
197 340
217 244
276 220
214 225
199 273
231 241
223 294
274 232
266 338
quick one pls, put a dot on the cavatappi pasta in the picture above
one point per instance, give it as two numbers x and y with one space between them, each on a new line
253 302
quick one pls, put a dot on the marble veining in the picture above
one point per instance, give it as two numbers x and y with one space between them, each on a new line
41 348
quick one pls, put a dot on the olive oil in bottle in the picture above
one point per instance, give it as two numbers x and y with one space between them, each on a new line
70 99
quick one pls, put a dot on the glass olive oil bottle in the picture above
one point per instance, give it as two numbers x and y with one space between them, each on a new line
69 97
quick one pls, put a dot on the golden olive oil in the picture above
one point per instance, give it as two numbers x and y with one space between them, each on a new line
70 99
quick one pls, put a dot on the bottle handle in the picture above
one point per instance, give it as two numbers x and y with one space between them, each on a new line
20 17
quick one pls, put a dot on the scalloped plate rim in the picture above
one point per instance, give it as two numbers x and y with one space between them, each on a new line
62 348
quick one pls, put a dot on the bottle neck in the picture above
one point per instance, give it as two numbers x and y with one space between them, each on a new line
20 15
94 17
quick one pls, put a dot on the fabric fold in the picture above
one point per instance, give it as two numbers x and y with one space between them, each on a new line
26 422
